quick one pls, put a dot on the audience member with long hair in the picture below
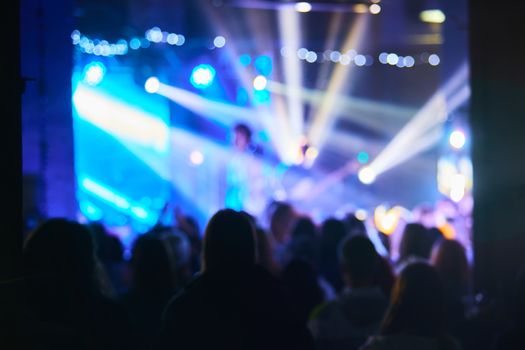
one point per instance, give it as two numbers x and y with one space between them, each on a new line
450 261
63 302
416 315
234 303
413 246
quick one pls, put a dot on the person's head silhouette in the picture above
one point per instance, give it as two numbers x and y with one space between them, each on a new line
229 242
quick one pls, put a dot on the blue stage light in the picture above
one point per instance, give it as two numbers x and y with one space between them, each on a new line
202 76
94 73
152 85
245 60
134 43
109 196
90 211
263 64
362 157
261 96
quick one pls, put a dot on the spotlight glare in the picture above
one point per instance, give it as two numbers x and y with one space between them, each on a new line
172 39
152 85
367 175
180 40
311 153
196 157
392 59
433 59
303 7
335 56
432 16
351 53
245 60
311 57
75 36
361 214
457 139
259 83
154 35
202 76
457 191
360 60
383 57
94 73
302 52
409 61
219 41
400 62
345 59
362 157
374 9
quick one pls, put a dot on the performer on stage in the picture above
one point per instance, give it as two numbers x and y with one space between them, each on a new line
247 186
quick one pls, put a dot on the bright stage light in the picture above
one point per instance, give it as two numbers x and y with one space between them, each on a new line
172 38
432 16
425 129
302 52
367 175
245 60
457 190
457 139
259 83
386 220
202 76
311 153
196 157
263 64
335 56
392 59
433 59
360 60
409 61
290 112
363 157
90 211
361 214
374 9
383 57
323 118
112 198
400 62
303 7
154 34
123 121
94 73
75 36
311 57
219 41
180 40
345 59
152 85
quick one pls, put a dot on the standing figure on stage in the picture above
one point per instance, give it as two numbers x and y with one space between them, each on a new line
245 180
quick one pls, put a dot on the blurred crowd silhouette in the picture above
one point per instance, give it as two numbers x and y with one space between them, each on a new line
296 284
